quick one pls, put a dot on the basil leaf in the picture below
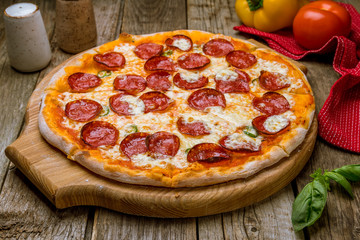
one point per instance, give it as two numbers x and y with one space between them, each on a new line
350 172
167 53
340 180
105 111
251 131
255 4
317 174
104 73
309 204
134 128
187 150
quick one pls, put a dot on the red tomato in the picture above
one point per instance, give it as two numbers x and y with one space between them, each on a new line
317 22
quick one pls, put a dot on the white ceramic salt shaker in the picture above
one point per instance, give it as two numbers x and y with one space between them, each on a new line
26 38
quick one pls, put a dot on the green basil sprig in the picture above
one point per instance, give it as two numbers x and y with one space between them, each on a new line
309 204
167 53
104 73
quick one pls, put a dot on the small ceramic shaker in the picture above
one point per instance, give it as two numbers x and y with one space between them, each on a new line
75 25
27 42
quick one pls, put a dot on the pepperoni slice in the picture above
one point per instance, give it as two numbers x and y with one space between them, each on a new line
134 144
118 105
156 101
273 81
271 103
131 84
244 146
206 97
218 47
241 59
98 133
181 42
82 110
112 60
193 61
227 84
186 82
259 124
195 128
82 82
148 50
163 143
160 63
159 81
207 152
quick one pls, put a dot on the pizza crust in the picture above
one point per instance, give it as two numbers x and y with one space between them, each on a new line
50 135
187 178
218 175
73 61
125 175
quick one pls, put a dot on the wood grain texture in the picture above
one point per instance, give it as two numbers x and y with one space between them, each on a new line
215 16
114 225
249 222
26 214
108 15
149 16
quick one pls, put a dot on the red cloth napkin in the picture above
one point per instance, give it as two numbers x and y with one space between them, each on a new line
339 118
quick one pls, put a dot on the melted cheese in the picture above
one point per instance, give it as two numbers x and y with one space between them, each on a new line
216 65
127 51
239 140
136 106
283 80
226 75
111 152
189 76
68 123
289 115
182 44
145 160
265 65
275 123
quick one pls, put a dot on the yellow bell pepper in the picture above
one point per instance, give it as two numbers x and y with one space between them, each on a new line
271 15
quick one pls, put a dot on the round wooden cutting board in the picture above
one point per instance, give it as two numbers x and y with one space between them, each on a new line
66 183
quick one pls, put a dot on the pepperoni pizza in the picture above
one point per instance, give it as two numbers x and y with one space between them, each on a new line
177 109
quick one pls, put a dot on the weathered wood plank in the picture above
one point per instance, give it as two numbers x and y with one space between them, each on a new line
147 16
214 16
108 15
26 214
272 212
267 219
260 220
112 225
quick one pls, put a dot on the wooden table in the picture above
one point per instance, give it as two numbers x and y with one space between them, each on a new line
26 213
